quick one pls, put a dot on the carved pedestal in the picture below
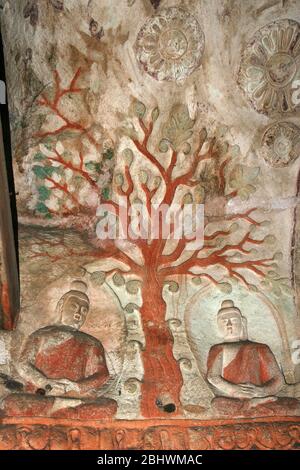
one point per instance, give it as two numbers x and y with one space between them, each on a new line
46 434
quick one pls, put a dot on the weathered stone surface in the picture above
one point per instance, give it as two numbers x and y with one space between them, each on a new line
167 343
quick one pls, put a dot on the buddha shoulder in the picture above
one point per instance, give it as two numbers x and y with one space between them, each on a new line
64 333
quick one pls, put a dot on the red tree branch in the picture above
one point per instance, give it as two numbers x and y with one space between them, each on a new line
54 106
76 169
144 151
172 165
65 190
245 216
222 175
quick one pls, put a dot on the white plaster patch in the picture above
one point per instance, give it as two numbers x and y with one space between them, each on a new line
4 355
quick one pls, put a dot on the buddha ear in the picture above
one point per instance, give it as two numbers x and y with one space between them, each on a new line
244 334
59 306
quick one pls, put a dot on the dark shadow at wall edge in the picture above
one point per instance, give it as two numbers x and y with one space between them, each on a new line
8 153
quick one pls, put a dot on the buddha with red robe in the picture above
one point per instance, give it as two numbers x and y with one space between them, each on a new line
61 361
239 368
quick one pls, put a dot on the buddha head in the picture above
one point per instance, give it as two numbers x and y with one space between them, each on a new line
73 306
232 325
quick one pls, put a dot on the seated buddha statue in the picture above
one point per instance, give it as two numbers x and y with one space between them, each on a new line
61 361
239 368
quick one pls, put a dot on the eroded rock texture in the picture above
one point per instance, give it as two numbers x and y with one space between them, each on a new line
154 104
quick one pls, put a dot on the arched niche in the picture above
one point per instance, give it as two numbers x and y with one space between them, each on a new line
265 324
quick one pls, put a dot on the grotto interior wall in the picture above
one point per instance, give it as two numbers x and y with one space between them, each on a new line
140 339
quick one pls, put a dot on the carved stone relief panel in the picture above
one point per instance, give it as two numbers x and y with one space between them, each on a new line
281 144
270 65
125 113
170 45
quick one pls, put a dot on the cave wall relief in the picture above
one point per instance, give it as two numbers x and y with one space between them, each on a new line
141 104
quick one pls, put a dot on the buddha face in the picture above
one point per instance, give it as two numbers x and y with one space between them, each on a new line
74 311
230 325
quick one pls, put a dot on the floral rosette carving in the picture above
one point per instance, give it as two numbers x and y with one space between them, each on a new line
170 45
281 144
270 66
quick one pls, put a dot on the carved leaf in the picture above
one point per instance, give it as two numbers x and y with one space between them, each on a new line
179 127
132 287
131 307
286 289
118 280
270 239
242 178
139 109
172 286
225 287
98 277
155 114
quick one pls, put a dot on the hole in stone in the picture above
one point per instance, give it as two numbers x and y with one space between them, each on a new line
14 386
169 408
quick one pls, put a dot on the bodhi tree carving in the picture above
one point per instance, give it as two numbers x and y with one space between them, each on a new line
187 166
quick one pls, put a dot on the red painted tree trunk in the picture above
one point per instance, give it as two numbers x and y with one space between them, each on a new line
162 377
